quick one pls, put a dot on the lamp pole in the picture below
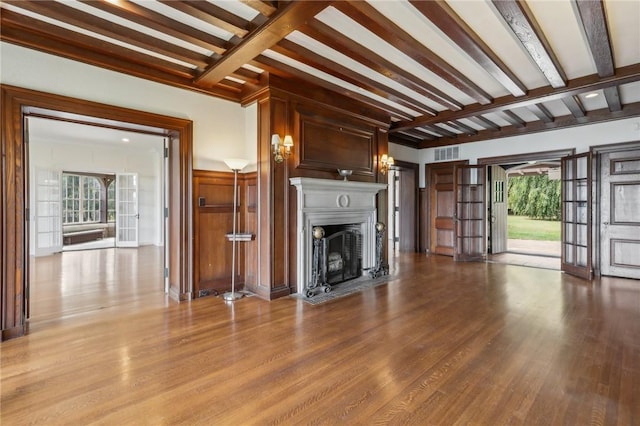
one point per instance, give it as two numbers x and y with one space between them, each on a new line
236 166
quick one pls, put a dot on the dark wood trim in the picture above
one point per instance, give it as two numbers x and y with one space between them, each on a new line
286 19
444 17
369 17
330 37
429 188
624 75
593 21
400 164
564 122
524 26
14 196
516 158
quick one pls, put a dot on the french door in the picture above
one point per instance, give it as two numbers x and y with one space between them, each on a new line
48 203
576 215
470 218
127 210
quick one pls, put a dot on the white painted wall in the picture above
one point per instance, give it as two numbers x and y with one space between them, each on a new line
219 126
581 138
105 158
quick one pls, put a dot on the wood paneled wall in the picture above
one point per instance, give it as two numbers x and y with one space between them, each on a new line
330 132
212 220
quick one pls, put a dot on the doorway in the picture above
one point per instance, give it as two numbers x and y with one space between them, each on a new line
524 213
402 229
92 188
19 103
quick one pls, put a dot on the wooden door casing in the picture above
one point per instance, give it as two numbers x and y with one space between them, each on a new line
620 214
442 207
407 210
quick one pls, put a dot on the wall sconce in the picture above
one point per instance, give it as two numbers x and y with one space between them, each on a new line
385 163
281 151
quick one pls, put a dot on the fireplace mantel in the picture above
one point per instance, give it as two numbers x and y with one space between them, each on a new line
333 202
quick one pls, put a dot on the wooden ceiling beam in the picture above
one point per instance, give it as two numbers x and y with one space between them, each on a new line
567 121
467 130
159 22
284 70
312 59
574 105
328 36
612 95
285 20
540 111
213 15
265 8
512 118
594 23
369 17
19 29
69 15
624 75
525 27
484 122
444 17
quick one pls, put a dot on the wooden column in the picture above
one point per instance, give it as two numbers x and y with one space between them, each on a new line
273 201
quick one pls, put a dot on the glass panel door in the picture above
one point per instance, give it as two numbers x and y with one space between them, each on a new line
48 227
576 215
127 210
470 218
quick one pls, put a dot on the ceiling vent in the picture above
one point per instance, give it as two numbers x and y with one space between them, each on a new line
447 153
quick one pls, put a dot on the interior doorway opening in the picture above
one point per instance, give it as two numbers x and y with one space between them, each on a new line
97 199
524 211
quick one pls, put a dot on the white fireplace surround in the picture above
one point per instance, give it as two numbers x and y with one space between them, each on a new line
334 202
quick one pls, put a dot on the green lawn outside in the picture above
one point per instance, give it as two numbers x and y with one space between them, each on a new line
523 228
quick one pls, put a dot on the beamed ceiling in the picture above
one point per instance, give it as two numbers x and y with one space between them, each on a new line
446 72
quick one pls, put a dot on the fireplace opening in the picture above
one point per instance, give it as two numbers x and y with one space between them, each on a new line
342 257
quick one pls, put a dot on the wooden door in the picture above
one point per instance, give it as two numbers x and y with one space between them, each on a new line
441 209
498 212
470 224
407 210
576 215
620 214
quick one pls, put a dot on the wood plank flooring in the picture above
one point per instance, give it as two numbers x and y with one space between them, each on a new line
440 344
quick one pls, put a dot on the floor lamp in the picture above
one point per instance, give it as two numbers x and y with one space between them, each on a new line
236 165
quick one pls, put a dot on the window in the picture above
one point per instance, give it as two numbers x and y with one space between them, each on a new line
81 197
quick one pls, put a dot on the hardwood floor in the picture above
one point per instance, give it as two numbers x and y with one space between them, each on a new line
440 344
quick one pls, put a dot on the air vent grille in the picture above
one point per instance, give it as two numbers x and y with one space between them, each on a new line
447 153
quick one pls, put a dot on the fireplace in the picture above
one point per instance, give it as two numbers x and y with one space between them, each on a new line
341 258
344 208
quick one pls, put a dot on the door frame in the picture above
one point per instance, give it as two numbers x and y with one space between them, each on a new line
415 167
597 151
427 203
15 103
521 158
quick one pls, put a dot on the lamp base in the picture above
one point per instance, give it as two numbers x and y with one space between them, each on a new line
231 296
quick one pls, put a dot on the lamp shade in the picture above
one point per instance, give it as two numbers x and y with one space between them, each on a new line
288 141
236 163
275 139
